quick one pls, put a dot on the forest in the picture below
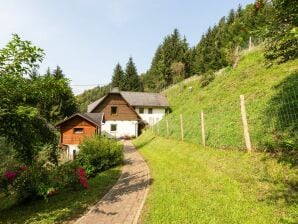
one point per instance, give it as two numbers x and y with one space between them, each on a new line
269 23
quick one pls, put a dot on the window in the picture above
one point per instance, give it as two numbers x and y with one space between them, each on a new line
113 110
150 110
78 130
141 110
113 127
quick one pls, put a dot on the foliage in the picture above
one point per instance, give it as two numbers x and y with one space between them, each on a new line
226 186
99 153
214 51
58 101
282 33
91 95
118 77
42 180
131 80
172 52
29 101
63 207
207 78
19 57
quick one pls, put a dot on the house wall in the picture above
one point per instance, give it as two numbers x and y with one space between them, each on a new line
124 128
124 111
68 137
157 114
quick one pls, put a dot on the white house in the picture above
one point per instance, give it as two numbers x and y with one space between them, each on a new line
127 113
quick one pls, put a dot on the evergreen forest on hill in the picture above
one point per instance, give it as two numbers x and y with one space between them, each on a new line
270 23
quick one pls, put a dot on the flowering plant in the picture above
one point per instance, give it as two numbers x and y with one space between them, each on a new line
81 174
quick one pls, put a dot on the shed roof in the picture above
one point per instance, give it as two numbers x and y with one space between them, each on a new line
95 118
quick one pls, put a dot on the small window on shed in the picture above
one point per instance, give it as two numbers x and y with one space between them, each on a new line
113 127
114 110
78 130
141 110
150 110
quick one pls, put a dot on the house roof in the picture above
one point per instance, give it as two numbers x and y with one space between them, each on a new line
94 104
145 99
137 99
95 118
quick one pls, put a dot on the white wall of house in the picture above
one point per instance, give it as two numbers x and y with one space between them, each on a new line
157 114
124 128
70 150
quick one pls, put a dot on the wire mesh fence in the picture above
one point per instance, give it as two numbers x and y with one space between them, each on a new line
270 119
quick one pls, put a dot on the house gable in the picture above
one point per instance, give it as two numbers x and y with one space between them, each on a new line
124 111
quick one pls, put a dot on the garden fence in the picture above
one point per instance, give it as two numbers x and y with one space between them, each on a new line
248 122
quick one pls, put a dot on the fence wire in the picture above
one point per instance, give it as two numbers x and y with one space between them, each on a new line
270 119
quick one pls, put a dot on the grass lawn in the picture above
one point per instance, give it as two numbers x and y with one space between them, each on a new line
63 207
192 184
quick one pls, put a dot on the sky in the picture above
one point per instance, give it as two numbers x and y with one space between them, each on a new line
87 38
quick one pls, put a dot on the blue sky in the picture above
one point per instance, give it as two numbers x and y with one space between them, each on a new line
86 38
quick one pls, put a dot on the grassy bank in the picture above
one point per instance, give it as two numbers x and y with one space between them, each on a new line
63 207
271 95
192 184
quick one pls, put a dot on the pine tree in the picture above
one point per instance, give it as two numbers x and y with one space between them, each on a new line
48 72
118 77
282 39
131 80
57 73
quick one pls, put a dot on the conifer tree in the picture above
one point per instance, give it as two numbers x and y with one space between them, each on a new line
57 73
118 77
131 80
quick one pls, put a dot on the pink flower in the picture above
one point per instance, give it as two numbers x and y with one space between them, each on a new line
10 176
82 177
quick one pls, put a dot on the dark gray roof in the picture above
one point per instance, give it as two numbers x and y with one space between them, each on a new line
95 118
137 99
145 99
94 104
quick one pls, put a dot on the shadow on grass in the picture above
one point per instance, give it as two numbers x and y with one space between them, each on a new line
66 206
281 118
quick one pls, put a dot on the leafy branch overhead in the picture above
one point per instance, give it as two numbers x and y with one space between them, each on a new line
20 57
30 101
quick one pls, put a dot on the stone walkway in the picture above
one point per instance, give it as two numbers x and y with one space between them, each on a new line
124 202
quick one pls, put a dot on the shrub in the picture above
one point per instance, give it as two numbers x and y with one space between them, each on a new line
99 153
69 175
207 78
32 182
42 181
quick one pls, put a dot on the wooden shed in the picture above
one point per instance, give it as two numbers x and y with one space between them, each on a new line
77 127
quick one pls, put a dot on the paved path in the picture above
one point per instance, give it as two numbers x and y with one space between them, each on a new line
124 202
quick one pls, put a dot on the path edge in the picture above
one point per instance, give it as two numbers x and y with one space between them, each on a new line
138 214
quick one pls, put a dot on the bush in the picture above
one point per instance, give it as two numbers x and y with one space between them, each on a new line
99 153
29 182
207 78
69 176
42 181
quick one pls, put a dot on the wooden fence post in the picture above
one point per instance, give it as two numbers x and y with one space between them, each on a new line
203 128
245 125
249 46
167 126
181 126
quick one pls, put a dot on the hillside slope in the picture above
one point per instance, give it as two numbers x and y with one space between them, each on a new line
271 95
